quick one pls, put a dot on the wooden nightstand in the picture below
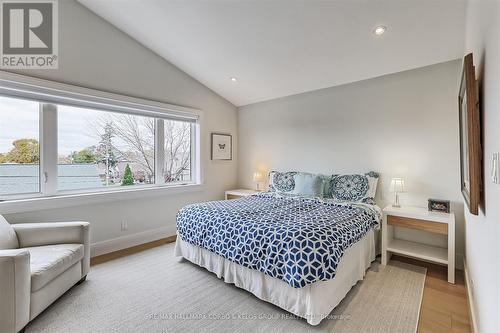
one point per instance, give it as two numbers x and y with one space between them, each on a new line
236 194
420 219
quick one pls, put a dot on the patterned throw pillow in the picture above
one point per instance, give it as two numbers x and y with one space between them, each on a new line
293 182
372 186
282 182
355 188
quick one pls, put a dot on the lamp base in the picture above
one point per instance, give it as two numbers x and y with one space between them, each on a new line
396 201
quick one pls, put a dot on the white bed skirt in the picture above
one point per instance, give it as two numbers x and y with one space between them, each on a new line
313 302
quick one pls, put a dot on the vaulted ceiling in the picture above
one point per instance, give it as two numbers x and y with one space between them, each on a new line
278 48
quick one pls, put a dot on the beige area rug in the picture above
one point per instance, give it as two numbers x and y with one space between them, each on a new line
152 291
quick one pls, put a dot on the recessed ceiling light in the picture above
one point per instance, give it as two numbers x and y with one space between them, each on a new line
234 79
379 30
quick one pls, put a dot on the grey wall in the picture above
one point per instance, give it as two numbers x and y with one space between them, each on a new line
483 231
96 55
404 124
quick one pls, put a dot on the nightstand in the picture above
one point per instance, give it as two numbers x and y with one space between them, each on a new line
420 219
240 193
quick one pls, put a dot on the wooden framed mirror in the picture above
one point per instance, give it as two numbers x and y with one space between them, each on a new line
470 137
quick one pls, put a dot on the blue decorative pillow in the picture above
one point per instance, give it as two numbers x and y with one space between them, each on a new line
308 184
326 183
293 182
349 187
282 182
355 188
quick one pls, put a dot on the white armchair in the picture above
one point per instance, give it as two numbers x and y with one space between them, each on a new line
38 263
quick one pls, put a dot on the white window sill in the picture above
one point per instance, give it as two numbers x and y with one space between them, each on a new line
80 199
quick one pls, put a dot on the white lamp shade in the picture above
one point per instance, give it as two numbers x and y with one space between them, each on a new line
397 185
258 176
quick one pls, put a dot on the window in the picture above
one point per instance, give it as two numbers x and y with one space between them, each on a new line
67 140
19 146
177 151
99 149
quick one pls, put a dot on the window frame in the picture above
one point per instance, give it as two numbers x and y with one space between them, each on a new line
31 194
50 94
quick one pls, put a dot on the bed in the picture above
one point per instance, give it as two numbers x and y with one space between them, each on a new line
300 252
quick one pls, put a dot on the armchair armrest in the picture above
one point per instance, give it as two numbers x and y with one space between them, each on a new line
15 288
39 234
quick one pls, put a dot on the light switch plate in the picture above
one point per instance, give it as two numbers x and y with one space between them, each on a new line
495 168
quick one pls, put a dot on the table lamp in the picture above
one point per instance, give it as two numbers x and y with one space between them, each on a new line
258 177
397 186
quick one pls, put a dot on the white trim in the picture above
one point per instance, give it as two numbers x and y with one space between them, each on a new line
60 93
200 157
160 151
123 242
196 165
470 299
48 149
80 199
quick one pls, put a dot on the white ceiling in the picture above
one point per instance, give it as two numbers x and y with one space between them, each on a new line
282 47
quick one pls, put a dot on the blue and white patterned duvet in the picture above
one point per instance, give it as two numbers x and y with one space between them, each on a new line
297 239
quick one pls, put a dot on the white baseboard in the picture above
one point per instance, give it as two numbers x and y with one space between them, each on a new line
470 299
120 243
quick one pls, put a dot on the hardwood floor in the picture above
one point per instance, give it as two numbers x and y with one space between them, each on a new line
131 250
444 305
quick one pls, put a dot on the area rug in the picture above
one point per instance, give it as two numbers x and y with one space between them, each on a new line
152 291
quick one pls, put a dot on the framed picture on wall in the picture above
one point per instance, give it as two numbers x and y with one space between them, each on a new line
470 137
222 146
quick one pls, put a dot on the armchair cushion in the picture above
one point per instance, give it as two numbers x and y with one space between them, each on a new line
48 262
8 238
